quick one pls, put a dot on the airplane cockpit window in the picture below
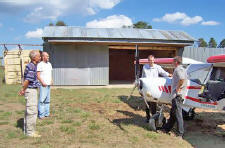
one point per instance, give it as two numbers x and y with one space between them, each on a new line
218 74
199 73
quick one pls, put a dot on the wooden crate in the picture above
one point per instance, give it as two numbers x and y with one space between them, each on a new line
15 63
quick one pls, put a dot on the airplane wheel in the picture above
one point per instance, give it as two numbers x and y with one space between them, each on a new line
188 115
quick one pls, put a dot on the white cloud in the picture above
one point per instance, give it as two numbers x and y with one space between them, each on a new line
51 9
114 21
183 19
210 23
179 17
170 18
191 20
34 34
104 4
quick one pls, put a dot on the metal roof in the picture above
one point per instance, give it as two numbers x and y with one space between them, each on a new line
114 33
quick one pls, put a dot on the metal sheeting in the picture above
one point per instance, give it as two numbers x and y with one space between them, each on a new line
78 65
116 33
200 53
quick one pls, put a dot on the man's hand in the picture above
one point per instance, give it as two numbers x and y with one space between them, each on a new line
170 75
178 90
44 85
21 92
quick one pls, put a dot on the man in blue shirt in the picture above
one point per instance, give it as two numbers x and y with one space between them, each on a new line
29 89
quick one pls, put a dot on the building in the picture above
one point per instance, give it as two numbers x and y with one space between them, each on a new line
99 56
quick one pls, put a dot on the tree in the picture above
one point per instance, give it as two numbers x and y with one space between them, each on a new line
202 42
212 43
50 24
142 24
222 44
60 23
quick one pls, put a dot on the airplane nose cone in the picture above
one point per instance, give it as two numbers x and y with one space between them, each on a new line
148 94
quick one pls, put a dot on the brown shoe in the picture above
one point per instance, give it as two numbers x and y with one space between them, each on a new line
35 135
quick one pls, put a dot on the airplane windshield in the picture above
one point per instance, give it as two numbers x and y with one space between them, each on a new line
200 72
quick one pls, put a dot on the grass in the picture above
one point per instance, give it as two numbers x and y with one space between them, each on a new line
81 118
67 129
93 125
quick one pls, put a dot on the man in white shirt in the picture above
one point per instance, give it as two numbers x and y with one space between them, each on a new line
152 70
44 75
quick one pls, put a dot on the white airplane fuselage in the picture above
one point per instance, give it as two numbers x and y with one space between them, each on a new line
159 90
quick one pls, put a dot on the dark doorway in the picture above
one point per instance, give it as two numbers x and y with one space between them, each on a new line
121 63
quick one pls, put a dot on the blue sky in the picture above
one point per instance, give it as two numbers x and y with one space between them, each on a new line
22 21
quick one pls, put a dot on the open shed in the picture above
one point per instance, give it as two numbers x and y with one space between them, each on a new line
99 56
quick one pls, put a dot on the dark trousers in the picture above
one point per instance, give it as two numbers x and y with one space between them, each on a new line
152 109
175 116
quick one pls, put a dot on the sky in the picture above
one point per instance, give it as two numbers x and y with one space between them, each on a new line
23 21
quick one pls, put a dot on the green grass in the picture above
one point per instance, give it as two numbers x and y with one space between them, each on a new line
4 123
77 123
93 125
67 121
5 115
80 118
152 135
67 129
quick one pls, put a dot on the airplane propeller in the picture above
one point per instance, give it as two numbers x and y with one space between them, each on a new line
137 71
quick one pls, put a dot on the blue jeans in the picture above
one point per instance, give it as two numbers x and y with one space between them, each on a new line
44 102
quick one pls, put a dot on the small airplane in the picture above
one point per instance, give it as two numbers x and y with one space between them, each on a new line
205 87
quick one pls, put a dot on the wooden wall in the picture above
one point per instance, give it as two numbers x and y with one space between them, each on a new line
15 62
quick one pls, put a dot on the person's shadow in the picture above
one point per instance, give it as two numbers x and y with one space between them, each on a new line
135 102
20 123
132 118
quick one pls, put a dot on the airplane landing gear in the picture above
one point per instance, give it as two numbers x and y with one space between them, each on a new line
189 115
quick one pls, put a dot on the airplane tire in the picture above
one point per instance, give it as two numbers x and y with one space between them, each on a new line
188 115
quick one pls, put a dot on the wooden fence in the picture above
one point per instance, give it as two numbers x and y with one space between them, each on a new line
15 62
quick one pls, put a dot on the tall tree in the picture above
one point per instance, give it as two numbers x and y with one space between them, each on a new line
60 23
50 24
202 42
222 44
212 43
142 24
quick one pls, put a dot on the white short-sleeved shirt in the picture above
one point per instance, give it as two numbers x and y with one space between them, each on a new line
45 70
153 71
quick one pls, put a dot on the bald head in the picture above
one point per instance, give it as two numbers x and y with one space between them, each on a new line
45 57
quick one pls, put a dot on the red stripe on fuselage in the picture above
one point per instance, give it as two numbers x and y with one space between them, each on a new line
169 87
160 88
166 89
199 100
194 87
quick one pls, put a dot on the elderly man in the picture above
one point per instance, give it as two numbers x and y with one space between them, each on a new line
29 89
44 74
152 70
178 85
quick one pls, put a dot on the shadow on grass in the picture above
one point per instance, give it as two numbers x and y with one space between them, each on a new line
20 123
135 102
133 119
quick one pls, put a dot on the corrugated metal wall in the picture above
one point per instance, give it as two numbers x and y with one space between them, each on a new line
201 53
79 64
